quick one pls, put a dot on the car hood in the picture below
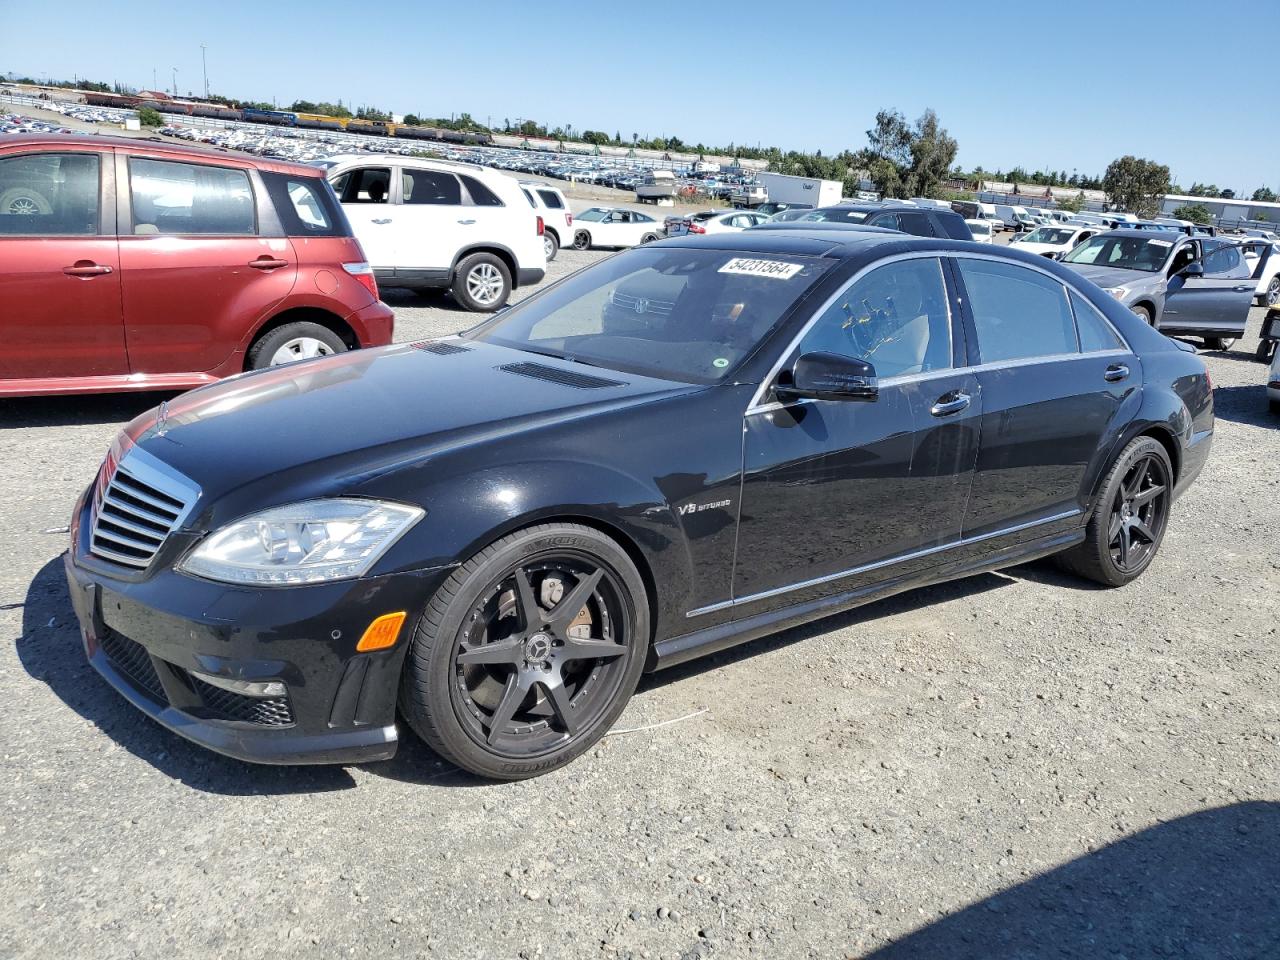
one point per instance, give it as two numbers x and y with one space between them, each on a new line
332 423
1113 276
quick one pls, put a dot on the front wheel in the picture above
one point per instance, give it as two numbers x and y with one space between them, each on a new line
1219 343
649 238
550 245
482 283
1272 295
1265 351
528 653
302 340
1145 315
1129 518
581 240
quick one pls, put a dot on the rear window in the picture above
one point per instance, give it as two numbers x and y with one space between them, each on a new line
190 198
953 226
551 199
306 206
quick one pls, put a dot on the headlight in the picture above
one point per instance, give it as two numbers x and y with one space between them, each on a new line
309 542
1118 292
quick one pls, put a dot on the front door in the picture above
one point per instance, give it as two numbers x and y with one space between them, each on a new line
834 491
1050 398
1216 302
197 278
59 268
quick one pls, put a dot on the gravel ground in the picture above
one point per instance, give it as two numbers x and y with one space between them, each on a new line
1016 765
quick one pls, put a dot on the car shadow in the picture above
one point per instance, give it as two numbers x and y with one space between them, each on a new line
1203 885
51 652
23 412
1244 405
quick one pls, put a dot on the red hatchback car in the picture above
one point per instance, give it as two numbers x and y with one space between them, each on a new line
138 265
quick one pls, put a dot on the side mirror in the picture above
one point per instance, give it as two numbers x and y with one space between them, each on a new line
830 376
1193 270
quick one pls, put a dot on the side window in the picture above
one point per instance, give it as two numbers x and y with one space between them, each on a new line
1019 313
896 317
481 196
49 194
551 199
190 198
889 221
430 186
1095 332
529 196
363 185
305 205
917 223
1225 263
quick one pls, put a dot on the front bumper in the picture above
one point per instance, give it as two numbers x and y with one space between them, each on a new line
155 639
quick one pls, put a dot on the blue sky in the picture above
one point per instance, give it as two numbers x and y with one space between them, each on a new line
1036 85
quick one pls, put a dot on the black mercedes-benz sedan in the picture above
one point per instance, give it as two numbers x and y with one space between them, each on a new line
682 447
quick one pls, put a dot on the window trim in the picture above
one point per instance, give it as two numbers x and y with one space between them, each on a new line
106 214
126 193
759 403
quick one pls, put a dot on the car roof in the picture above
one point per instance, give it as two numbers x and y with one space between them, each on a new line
1138 234
157 146
837 226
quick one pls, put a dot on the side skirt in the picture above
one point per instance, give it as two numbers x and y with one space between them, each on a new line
677 650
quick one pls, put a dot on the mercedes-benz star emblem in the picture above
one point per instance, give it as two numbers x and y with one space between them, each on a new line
641 305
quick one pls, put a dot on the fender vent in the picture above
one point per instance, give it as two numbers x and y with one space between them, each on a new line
439 348
568 378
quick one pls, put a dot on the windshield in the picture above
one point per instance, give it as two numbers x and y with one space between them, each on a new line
978 226
1055 235
837 216
679 314
1123 253
594 215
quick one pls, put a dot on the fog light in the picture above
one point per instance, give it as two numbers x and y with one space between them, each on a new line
382 633
248 688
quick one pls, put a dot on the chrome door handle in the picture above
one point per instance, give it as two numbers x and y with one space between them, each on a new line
1241 289
945 407
1115 373
388 220
466 222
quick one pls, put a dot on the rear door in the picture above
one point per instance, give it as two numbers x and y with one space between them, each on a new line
1049 407
1215 303
203 262
60 313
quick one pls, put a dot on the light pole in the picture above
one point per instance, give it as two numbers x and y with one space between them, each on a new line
204 69
175 81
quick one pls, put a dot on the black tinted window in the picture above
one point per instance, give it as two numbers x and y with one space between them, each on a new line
889 221
1095 332
917 223
431 186
306 206
1018 312
550 198
896 317
363 185
190 198
481 196
49 194
954 226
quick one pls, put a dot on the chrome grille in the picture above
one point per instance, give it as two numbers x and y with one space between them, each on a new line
642 305
136 507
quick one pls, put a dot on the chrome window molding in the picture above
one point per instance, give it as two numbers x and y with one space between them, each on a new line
879 564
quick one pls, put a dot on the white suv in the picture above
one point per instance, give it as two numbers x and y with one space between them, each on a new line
552 206
435 224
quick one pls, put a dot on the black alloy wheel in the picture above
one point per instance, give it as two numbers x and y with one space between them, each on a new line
1129 516
1139 512
529 652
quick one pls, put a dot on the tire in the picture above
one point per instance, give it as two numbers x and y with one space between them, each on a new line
300 340
1112 535
1144 314
1219 343
1265 351
550 245
1275 406
649 238
23 201
1272 295
482 283
582 240
474 654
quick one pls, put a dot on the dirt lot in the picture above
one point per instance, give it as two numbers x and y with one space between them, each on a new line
1017 765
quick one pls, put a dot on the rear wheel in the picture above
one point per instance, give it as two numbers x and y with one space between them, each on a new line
482 283
301 340
1129 519
550 245
528 653
581 240
1265 351
1272 295
649 238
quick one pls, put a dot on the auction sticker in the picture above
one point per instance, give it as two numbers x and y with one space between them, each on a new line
775 269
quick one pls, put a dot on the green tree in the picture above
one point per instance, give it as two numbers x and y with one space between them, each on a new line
1195 212
413 120
1264 195
933 151
1072 204
1203 190
149 117
904 160
1136 184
